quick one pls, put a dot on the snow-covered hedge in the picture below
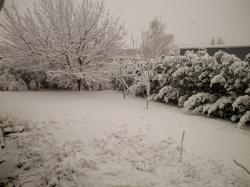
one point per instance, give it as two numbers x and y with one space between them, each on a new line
5 81
217 86
96 77
18 85
196 101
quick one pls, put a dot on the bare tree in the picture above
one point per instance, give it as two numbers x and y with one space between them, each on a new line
220 41
212 41
121 78
156 41
60 32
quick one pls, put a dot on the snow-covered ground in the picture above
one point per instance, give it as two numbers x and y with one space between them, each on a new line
85 116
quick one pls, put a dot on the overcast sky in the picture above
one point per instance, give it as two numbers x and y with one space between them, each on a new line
193 22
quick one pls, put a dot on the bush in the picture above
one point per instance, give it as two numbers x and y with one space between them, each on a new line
218 55
218 79
5 81
242 104
32 85
168 94
182 100
217 86
19 85
244 119
60 80
35 79
198 100
221 108
247 57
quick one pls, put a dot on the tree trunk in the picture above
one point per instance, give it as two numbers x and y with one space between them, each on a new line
123 91
147 107
123 84
1 138
79 82
148 85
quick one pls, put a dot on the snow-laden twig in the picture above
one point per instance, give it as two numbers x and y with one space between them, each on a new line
242 167
181 146
1 139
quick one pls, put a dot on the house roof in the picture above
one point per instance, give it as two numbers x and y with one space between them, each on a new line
214 46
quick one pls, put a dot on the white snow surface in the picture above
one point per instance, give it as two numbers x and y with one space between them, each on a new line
89 115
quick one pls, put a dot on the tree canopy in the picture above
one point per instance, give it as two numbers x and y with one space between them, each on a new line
67 34
156 41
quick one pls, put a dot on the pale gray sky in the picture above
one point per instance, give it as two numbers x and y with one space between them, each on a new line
193 22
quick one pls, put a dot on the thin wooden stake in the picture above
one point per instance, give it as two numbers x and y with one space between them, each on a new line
1 139
147 107
123 91
181 148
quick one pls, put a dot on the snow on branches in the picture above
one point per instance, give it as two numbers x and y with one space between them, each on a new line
63 33
217 86
198 100
244 119
168 94
220 108
242 104
218 79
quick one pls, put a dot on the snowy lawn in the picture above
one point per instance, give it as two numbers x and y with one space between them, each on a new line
130 145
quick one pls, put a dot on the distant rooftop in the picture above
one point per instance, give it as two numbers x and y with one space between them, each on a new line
239 50
213 46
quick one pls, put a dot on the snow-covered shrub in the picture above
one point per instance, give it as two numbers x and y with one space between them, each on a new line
197 110
5 81
228 59
240 69
218 79
181 72
213 82
33 76
143 79
153 97
182 100
138 89
19 85
203 76
238 77
221 108
61 80
32 85
247 91
235 118
244 120
195 73
124 73
202 53
171 95
218 83
159 80
168 94
218 55
242 104
198 100
190 55
247 57
161 93
159 68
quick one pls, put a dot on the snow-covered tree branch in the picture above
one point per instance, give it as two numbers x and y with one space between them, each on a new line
64 33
